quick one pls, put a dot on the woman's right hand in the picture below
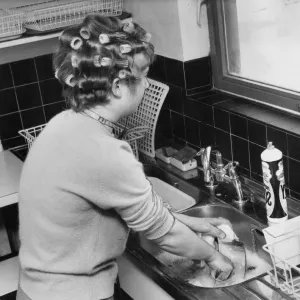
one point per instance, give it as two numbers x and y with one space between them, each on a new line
221 266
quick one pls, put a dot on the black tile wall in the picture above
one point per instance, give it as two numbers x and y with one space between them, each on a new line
197 73
29 96
238 127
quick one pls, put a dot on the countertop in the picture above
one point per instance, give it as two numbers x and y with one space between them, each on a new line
10 172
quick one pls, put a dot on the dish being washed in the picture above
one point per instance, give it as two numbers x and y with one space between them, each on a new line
246 264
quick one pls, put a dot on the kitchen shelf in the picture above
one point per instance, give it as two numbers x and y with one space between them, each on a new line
9 275
28 47
28 39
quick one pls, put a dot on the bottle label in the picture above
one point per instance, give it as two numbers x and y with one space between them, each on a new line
273 176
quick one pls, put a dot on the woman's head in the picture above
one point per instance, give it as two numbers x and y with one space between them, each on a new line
96 55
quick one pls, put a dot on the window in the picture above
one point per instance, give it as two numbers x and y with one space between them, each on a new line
256 49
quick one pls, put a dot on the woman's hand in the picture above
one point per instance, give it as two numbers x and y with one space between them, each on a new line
221 266
207 226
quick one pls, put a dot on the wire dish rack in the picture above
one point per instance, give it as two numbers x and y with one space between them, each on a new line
130 135
50 15
147 115
11 24
138 129
285 255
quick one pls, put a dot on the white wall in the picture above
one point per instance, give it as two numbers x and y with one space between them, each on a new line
161 19
173 25
195 39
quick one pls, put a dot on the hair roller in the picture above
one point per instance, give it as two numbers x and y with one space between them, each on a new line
97 61
76 43
106 62
147 37
122 63
128 27
56 74
104 38
85 33
70 80
125 48
124 74
74 61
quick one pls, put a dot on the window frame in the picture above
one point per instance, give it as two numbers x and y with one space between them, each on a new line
222 80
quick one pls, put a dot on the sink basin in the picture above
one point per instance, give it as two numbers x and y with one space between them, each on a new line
248 231
177 199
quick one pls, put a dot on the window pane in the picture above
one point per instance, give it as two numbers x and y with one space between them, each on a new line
263 41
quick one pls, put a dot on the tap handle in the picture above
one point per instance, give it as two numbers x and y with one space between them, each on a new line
231 166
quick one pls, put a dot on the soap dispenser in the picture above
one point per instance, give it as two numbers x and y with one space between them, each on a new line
274 182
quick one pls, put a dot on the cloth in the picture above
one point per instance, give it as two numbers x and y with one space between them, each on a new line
81 190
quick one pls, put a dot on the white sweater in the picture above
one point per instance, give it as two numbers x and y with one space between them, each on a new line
80 190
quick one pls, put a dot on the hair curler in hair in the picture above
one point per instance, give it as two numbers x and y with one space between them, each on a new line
147 37
106 62
102 62
97 61
125 48
122 74
56 74
76 43
128 27
105 38
70 80
85 33
74 61
122 63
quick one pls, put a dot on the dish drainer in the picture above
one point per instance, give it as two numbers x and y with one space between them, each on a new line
11 24
49 15
147 115
139 127
131 136
285 255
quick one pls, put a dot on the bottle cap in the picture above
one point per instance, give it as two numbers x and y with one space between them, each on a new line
270 146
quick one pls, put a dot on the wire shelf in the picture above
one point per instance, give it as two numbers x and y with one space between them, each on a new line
285 255
147 115
55 14
10 23
131 136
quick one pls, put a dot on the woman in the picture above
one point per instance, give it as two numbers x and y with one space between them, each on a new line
81 187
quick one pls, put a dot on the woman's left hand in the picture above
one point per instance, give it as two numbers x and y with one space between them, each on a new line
207 226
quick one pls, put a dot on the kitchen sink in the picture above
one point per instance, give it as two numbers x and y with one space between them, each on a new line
200 204
248 231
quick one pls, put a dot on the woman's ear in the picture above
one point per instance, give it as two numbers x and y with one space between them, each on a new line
117 88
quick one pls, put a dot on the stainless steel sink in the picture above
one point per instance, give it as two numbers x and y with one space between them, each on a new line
248 230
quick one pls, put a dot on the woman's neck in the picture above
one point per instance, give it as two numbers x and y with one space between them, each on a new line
106 112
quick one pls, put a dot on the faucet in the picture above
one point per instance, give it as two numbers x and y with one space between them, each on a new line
220 172
234 178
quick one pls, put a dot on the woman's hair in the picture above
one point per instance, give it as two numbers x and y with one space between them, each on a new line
92 54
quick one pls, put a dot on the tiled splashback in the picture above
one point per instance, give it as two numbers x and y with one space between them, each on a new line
239 128
29 96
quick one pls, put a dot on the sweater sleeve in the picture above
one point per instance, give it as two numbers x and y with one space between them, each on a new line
125 188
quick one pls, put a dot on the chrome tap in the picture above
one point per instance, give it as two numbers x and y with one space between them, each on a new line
205 159
234 178
220 171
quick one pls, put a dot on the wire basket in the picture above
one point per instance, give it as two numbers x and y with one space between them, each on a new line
11 23
131 135
285 255
55 14
147 115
